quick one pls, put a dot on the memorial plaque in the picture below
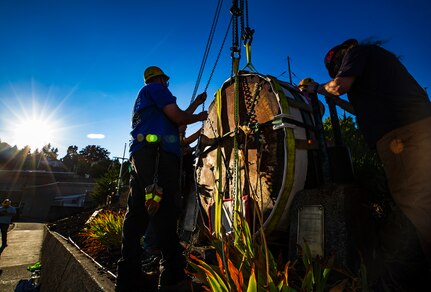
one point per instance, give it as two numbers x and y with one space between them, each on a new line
311 228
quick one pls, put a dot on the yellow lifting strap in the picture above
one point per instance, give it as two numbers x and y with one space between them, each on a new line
248 55
218 198
289 166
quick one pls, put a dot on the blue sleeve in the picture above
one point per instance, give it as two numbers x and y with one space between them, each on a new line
153 95
161 96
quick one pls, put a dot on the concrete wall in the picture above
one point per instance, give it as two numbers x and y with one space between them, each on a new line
65 268
37 201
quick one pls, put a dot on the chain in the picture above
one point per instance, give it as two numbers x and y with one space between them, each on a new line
219 53
241 3
235 49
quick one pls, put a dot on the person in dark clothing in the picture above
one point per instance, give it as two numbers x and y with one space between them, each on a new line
6 214
154 154
394 114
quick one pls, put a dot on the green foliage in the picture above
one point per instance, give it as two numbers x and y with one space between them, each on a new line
106 185
244 264
316 271
93 160
70 160
104 231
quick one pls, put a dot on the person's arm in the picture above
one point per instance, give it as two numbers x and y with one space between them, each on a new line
337 87
180 117
200 99
193 137
333 89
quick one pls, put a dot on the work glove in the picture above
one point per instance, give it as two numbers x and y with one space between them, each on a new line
153 196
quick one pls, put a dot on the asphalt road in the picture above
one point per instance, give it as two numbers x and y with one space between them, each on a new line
24 246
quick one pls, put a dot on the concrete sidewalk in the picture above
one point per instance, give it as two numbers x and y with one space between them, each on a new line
24 247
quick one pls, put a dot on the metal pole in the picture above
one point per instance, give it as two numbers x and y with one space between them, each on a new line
335 122
288 68
121 171
323 153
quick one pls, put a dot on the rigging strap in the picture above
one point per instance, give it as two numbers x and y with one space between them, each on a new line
289 162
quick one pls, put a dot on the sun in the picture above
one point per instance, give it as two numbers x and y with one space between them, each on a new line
31 121
35 132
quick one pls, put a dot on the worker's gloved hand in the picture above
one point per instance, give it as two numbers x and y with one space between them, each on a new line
200 99
153 196
202 116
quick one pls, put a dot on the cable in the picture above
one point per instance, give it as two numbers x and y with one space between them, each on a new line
207 49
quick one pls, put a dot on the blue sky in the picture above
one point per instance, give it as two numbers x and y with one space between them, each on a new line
77 65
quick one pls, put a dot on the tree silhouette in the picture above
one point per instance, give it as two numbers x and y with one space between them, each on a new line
93 160
70 160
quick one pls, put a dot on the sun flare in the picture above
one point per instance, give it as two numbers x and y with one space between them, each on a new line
34 132
31 121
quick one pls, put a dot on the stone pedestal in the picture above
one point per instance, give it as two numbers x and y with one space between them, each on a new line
336 219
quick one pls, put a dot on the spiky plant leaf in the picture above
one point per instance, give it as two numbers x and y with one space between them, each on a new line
252 284
213 278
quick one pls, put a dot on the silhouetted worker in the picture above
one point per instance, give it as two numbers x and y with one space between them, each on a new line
154 184
394 114
6 214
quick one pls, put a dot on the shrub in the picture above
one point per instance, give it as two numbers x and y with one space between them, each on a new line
103 232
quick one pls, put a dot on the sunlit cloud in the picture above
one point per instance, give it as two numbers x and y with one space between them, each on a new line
96 136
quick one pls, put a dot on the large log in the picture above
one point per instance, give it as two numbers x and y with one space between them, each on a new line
276 135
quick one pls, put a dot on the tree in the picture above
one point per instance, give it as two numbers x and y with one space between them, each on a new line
106 185
50 152
93 160
70 160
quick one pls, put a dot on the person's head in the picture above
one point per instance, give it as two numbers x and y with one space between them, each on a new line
305 82
6 203
334 57
154 74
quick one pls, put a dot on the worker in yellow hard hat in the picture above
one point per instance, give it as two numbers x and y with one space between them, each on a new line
302 85
154 199
154 71
305 82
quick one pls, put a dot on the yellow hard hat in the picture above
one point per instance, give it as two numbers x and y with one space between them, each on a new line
153 71
6 203
304 82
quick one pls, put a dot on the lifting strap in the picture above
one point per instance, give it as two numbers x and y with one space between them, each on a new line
248 55
289 161
219 188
